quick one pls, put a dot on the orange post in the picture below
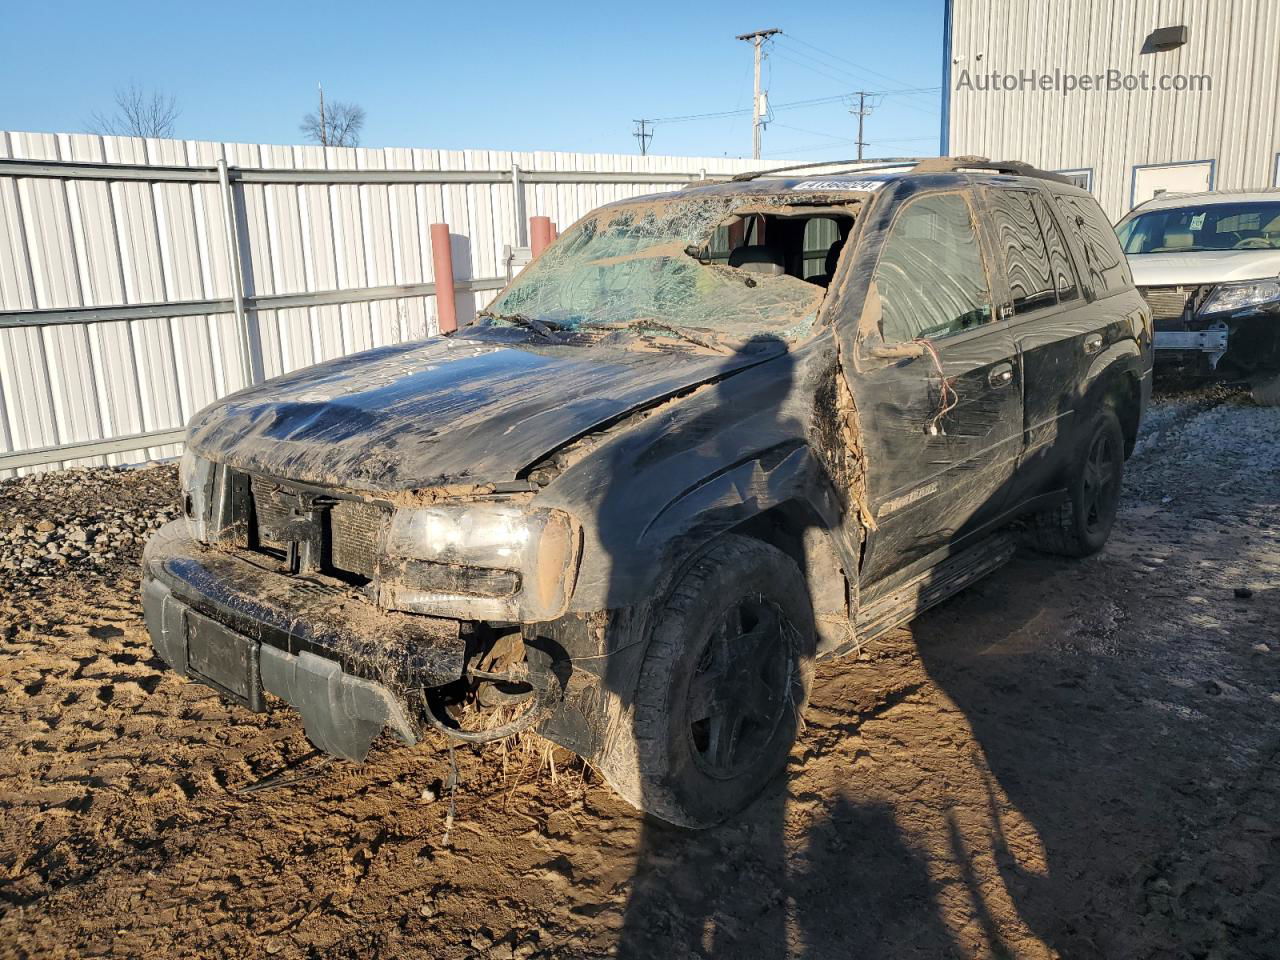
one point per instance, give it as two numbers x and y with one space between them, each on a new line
539 234
442 260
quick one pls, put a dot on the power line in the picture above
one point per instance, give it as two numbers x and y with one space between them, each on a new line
901 87
902 92
793 104
815 133
806 149
922 93
810 67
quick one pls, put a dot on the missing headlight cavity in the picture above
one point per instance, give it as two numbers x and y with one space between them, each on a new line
500 693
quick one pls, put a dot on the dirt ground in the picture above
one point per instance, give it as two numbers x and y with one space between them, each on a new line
1071 759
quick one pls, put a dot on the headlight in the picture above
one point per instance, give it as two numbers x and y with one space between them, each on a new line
1227 297
484 560
196 477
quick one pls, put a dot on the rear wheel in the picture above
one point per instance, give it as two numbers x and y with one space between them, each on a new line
1081 525
724 679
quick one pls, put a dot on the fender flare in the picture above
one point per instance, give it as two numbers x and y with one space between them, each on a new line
718 503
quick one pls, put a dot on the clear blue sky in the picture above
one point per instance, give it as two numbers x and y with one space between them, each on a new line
522 76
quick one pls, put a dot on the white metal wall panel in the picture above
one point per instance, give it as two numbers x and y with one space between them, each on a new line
1236 123
83 242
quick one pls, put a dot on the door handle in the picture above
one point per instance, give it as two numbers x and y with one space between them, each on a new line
1093 343
1001 375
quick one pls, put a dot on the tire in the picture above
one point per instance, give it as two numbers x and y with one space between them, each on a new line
1266 390
735 641
1081 525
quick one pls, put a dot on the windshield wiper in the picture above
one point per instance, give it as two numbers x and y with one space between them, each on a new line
545 330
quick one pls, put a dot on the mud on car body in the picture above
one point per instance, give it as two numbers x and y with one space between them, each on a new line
706 438
1209 266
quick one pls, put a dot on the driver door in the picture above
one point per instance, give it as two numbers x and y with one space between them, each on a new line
938 391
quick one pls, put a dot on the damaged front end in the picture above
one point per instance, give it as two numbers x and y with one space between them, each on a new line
361 613
393 540
1229 327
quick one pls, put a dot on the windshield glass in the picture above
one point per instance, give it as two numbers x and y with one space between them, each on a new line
1210 226
644 261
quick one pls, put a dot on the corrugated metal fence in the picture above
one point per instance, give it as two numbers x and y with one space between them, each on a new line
142 279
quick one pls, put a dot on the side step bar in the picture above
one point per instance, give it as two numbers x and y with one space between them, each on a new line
915 596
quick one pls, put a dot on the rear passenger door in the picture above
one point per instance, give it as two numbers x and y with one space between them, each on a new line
941 419
1057 327
1048 315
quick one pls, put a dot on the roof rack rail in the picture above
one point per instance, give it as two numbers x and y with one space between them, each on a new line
1014 168
871 163
919 165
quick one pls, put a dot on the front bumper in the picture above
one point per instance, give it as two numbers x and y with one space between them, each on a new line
228 620
1240 344
1211 343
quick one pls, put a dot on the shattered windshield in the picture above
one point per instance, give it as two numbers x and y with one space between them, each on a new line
649 261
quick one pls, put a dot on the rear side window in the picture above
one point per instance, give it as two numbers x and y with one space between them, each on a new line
1023 250
930 275
1064 276
1104 261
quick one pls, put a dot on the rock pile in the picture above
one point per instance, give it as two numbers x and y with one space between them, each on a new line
90 521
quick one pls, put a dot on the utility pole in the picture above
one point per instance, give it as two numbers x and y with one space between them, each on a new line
757 39
861 113
644 134
324 130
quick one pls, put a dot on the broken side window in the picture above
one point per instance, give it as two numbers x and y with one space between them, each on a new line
930 276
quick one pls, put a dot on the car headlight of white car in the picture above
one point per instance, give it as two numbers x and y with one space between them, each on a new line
1229 297
481 560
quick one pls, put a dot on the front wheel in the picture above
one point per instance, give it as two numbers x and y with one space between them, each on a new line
1080 526
724 679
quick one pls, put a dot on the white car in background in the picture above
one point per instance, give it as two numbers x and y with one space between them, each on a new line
1208 264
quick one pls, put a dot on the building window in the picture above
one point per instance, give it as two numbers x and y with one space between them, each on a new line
1080 178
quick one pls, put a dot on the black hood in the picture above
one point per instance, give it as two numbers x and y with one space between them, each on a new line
457 409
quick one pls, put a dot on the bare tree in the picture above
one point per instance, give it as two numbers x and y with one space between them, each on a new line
336 125
139 113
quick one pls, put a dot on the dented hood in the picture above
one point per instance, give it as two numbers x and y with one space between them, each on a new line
441 411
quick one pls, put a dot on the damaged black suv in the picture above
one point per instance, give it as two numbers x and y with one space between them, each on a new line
707 437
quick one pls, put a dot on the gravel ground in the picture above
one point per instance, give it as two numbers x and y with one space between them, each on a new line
1070 759
80 523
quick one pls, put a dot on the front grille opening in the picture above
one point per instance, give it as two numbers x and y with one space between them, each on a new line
267 511
337 538
1173 307
353 530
